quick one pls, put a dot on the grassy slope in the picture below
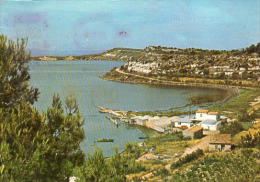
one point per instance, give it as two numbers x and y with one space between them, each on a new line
240 165
239 105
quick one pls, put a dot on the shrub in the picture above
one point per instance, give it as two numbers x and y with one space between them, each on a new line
162 172
231 128
98 169
188 158
250 140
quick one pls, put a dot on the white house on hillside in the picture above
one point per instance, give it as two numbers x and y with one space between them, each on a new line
209 120
209 124
205 115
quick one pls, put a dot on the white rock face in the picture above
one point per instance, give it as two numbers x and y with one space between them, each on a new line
110 54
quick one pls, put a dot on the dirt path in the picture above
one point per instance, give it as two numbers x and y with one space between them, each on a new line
174 83
144 77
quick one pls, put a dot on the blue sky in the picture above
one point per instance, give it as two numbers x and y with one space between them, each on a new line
64 27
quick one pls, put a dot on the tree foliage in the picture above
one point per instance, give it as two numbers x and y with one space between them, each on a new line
231 128
14 76
250 140
98 169
39 147
33 146
253 48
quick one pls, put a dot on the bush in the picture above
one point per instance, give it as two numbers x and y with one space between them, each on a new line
98 169
250 140
162 172
188 158
231 128
133 150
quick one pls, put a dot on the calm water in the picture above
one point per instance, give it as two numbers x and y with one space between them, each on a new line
81 78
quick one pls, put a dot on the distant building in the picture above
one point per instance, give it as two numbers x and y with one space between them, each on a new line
205 115
221 142
201 114
213 115
193 132
139 120
184 122
210 124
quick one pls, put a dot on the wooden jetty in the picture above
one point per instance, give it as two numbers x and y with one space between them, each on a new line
118 114
112 120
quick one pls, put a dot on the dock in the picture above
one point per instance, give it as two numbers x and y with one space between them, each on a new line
158 124
119 114
112 120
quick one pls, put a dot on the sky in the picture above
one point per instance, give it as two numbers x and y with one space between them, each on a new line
76 27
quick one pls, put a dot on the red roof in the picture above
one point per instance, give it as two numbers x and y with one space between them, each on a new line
202 111
195 129
213 113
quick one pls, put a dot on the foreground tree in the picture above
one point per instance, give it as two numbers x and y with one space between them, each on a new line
33 146
98 169
14 76
37 147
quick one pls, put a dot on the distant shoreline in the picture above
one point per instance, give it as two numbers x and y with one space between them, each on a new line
231 91
169 66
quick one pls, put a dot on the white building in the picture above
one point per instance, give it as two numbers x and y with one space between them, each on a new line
184 122
206 115
139 120
210 124
201 114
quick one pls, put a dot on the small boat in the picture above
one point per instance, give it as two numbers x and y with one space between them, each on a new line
143 137
105 140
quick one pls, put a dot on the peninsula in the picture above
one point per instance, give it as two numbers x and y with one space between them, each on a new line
174 66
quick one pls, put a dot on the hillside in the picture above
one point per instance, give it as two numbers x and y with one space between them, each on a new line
115 54
236 67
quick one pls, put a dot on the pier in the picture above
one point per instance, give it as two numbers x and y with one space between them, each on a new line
114 121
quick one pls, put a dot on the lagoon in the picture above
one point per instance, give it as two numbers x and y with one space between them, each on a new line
81 78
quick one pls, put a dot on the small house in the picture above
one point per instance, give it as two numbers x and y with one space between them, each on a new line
220 142
183 122
193 132
213 116
201 114
210 124
205 114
